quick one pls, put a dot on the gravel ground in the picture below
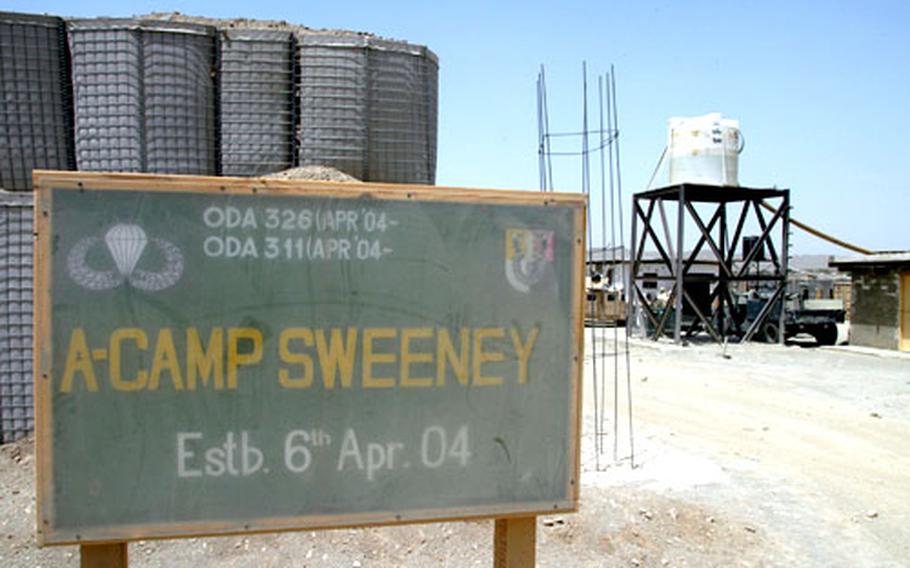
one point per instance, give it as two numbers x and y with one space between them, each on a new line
246 23
316 173
763 456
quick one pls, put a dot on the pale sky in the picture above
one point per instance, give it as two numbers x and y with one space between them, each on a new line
821 89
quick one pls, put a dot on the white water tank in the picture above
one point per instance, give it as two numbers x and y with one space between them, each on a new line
704 150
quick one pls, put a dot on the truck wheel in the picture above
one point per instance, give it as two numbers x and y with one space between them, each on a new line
827 335
771 332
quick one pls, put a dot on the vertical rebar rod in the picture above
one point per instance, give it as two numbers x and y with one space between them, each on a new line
619 193
541 159
613 259
546 128
603 242
586 189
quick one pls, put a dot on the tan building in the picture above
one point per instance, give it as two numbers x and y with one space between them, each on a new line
880 306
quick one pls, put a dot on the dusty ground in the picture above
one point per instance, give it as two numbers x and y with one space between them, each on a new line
316 173
243 23
768 456
810 448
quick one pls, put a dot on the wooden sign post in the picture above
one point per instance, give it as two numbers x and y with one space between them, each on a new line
222 356
112 555
515 541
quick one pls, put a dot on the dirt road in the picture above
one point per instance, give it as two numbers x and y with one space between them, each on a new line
808 447
771 456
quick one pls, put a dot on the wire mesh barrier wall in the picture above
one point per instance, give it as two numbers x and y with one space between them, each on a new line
107 91
16 403
144 96
257 101
136 95
333 102
35 120
432 95
368 107
402 118
179 83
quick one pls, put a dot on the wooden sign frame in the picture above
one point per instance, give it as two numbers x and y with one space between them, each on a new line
44 181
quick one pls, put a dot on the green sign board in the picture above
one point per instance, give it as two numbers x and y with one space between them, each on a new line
219 355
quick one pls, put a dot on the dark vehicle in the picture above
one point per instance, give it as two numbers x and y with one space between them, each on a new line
802 317
821 324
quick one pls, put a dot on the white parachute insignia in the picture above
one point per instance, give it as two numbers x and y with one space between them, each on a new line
126 242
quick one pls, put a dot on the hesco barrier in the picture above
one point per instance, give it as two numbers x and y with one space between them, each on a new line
16 243
163 97
107 84
402 123
257 101
368 107
144 96
179 83
136 95
334 102
35 120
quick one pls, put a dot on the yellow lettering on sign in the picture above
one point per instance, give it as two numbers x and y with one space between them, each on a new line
203 364
445 352
165 359
337 356
388 357
370 357
115 368
523 350
409 357
236 359
78 361
287 356
481 356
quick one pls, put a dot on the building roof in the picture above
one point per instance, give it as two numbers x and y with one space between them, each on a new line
897 258
607 254
810 262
